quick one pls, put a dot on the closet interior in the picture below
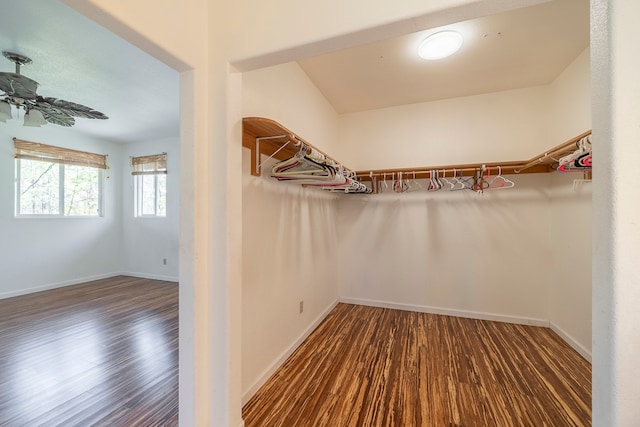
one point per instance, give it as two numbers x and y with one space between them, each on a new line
468 198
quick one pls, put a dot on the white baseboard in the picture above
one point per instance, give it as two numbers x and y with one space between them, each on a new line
449 312
149 276
571 341
83 280
57 285
284 355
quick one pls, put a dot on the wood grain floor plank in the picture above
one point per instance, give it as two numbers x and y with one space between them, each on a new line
366 366
103 353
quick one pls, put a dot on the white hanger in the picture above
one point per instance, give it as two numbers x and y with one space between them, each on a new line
417 183
444 174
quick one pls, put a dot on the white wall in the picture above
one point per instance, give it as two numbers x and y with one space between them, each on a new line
571 99
509 125
147 241
569 280
500 236
460 252
452 252
40 253
616 230
290 245
285 94
457 253
289 255
570 213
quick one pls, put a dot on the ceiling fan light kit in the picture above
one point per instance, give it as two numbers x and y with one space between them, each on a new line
20 92
34 118
5 111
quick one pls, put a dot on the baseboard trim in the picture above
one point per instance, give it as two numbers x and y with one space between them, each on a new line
83 280
57 285
149 276
448 312
284 355
571 341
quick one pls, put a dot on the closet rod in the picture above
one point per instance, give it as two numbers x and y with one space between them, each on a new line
469 169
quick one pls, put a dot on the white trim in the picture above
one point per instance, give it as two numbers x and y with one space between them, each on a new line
266 374
149 276
449 312
571 341
57 285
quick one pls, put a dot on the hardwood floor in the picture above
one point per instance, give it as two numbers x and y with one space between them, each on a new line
367 366
104 353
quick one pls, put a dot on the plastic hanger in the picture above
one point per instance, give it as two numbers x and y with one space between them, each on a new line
433 186
579 164
574 162
407 185
499 182
464 183
444 178
417 185
397 184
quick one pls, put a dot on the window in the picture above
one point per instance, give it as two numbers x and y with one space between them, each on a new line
150 183
54 181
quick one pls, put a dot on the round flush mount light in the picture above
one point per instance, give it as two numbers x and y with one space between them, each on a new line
440 45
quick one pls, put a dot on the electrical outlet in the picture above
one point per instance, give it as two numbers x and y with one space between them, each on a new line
164 261
301 306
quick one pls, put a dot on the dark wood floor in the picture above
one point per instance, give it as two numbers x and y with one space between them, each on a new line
104 353
367 366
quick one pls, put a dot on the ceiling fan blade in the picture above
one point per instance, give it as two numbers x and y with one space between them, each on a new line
70 108
17 85
55 116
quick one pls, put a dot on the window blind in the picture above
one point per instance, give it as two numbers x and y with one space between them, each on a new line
154 164
48 153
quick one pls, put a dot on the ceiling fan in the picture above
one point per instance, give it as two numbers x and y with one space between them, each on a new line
20 91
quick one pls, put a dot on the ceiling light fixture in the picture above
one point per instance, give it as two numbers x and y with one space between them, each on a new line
20 91
440 45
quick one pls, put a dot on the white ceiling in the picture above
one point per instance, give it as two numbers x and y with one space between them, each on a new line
77 60
521 48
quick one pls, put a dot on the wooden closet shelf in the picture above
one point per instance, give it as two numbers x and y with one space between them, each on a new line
256 129
254 132
542 163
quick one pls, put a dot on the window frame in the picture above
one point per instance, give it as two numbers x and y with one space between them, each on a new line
138 199
150 165
61 192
